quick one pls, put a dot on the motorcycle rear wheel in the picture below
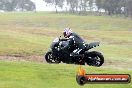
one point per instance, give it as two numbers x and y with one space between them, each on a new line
94 58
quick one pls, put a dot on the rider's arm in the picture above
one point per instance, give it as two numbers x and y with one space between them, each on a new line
70 40
64 39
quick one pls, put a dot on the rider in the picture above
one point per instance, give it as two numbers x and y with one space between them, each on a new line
75 41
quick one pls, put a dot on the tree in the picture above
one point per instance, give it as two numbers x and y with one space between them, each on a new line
57 3
13 5
129 8
73 5
111 7
99 4
85 4
91 4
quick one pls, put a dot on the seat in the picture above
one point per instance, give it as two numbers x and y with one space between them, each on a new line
92 45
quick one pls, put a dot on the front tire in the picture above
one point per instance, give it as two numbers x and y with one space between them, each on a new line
50 58
94 58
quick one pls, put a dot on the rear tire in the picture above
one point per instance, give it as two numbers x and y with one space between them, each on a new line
94 58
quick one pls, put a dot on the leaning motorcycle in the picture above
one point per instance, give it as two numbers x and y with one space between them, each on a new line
58 53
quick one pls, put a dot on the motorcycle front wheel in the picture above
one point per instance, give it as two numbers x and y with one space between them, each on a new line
50 58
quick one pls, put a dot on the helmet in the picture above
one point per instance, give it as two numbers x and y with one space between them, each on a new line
67 32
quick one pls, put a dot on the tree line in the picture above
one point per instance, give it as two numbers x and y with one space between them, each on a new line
109 7
17 5
98 7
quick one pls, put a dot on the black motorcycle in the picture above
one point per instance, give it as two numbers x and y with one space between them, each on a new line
58 53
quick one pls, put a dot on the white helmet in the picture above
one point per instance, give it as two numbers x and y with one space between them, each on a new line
67 32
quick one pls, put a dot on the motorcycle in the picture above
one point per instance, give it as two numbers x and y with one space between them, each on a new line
58 53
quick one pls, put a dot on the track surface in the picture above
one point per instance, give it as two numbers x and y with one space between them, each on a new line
40 59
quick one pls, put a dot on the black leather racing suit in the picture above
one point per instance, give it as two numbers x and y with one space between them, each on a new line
76 43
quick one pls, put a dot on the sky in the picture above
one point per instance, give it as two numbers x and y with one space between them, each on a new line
42 6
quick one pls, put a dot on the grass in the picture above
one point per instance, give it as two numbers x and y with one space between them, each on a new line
29 33
60 21
34 75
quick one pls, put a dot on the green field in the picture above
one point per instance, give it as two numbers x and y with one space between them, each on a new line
30 34
36 75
